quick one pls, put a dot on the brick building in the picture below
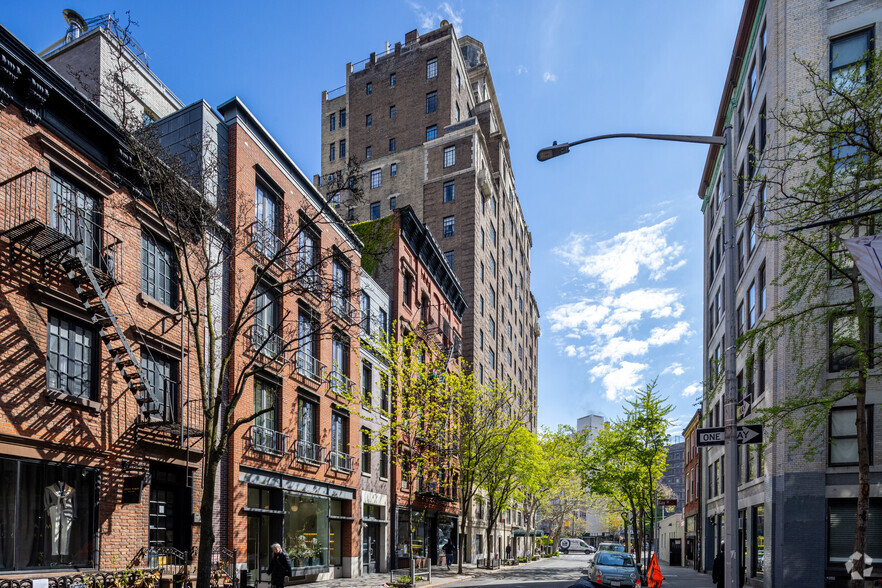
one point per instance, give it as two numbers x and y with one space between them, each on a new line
796 511
99 447
428 302
692 474
424 123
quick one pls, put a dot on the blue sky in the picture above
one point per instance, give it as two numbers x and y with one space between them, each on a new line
616 225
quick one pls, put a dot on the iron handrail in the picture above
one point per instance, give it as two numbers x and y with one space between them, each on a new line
267 440
310 366
308 452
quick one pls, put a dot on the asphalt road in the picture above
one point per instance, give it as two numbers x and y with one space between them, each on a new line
555 572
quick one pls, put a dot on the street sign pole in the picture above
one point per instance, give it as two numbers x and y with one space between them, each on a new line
729 393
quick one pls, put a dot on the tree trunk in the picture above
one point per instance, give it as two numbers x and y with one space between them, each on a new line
863 501
206 512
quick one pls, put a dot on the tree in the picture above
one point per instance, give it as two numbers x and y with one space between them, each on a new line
552 487
822 184
627 459
222 303
484 417
420 423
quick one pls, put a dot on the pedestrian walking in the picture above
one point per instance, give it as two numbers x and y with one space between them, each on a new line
448 552
508 552
719 572
279 566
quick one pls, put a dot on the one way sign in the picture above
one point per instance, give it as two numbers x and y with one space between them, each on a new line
747 434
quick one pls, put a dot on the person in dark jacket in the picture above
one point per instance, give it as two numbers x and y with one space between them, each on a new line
719 571
448 552
279 566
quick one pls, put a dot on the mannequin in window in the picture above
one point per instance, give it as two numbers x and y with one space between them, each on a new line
60 503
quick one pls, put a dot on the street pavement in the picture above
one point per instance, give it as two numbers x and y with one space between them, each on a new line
555 572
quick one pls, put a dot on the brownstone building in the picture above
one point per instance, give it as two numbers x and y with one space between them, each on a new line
692 506
100 448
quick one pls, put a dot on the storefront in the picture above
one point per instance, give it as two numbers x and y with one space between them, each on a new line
310 520
691 548
48 515
431 532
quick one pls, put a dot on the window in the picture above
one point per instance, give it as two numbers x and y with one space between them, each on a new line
392 200
384 384
848 57
71 357
492 328
740 248
266 229
491 358
340 288
366 452
449 156
449 257
448 191
431 132
265 338
369 88
492 265
393 171
843 447
392 111
333 120
752 81
367 152
35 496
740 318
407 287
375 210
481 305
431 68
751 305
492 297
307 259
458 80
307 339
340 382
482 246
763 48
342 148
761 285
431 102
447 230
368 120
480 340
458 113
376 178
307 423
161 373
492 234
844 338
342 118
761 131
392 79
332 154
384 458
751 234
158 277
265 425
339 444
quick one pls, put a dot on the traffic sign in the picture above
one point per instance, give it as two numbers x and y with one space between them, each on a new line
746 435
667 502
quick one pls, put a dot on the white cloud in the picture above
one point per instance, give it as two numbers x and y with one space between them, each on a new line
430 18
618 348
691 390
549 77
674 368
522 69
617 381
662 336
577 316
616 262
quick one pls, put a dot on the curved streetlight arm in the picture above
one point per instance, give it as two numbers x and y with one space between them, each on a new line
560 149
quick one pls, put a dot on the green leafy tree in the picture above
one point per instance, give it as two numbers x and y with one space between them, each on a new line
822 184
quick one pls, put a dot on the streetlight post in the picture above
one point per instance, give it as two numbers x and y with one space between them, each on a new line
730 488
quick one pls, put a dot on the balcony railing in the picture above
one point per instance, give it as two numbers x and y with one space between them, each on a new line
340 384
310 366
343 308
307 452
268 244
267 440
341 462
268 343
309 276
168 407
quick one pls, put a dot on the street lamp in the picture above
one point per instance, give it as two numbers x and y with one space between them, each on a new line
729 393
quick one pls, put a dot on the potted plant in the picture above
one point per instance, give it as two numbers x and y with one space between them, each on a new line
316 557
299 550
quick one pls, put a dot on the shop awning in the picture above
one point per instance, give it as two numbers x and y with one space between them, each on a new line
533 533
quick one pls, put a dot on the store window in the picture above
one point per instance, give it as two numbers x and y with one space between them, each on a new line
48 517
335 539
402 550
306 529
758 545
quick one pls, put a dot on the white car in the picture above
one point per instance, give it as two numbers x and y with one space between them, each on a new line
567 545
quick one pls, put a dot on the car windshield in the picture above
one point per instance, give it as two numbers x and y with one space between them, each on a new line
619 560
612 547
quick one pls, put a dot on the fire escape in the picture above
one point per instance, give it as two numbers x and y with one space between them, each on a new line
60 228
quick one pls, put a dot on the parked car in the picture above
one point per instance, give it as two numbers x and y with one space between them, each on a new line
617 547
567 545
613 568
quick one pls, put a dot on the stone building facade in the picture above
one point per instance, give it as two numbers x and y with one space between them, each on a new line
795 513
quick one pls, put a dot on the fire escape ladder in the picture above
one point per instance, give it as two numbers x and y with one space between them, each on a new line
90 291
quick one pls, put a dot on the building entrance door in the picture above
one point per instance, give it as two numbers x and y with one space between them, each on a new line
370 547
257 547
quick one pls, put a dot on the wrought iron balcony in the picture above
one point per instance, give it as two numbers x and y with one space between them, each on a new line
267 440
268 343
341 384
310 366
341 462
168 407
268 244
308 452
343 308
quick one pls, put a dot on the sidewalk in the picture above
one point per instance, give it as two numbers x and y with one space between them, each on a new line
678 577
440 577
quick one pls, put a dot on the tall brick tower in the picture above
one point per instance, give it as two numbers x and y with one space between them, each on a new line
423 121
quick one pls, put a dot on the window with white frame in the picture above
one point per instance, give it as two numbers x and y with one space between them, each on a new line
449 156
376 178
431 68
